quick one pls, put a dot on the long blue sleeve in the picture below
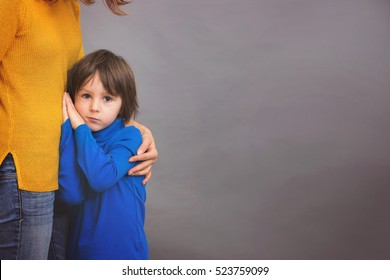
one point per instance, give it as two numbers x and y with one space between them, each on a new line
109 221
103 170
70 178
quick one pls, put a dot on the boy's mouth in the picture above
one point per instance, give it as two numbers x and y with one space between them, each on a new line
91 119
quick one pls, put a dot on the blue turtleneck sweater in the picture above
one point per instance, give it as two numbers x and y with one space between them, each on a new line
108 206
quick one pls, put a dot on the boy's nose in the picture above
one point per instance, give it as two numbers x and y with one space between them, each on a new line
94 107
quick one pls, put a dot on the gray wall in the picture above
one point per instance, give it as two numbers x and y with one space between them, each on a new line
272 122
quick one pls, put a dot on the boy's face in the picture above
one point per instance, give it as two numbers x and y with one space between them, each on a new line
96 106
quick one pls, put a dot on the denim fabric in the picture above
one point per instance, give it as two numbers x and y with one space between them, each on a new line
26 218
59 237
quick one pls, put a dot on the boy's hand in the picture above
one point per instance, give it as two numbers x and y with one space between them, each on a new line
65 116
75 119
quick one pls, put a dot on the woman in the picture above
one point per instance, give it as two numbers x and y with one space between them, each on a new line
39 42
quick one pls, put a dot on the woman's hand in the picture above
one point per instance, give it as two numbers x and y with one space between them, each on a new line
75 119
147 154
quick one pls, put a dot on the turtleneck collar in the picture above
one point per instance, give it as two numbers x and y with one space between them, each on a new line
104 134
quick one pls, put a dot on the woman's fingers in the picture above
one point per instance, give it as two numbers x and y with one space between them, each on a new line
142 168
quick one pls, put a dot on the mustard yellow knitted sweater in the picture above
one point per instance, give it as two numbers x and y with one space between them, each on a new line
39 42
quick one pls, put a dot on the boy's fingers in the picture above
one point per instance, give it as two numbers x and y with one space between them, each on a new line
64 108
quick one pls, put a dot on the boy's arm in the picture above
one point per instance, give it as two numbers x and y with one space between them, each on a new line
70 177
102 170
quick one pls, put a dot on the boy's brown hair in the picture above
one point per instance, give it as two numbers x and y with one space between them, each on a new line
115 74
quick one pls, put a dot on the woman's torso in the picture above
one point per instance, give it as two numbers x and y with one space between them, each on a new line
42 42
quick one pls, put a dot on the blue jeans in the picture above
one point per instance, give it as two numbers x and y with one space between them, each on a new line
26 218
59 237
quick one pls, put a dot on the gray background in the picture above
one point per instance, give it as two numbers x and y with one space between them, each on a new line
272 123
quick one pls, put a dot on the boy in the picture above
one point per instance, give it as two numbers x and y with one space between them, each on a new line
108 207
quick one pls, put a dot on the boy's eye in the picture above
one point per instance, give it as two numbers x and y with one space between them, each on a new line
85 95
107 98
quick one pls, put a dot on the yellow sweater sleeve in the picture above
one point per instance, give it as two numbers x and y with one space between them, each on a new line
12 14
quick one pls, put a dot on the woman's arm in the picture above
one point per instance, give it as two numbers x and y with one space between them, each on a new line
11 14
147 153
